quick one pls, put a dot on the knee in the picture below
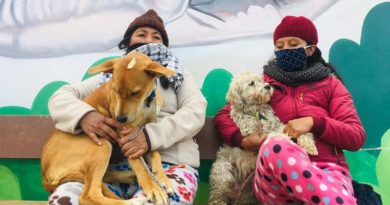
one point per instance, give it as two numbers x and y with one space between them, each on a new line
275 148
274 145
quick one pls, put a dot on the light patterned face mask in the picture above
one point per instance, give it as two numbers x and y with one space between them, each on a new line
292 59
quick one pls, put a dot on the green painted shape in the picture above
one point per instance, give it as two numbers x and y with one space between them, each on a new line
382 168
359 168
365 69
28 172
214 88
202 195
14 110
39 105
96 63
9 185
41 101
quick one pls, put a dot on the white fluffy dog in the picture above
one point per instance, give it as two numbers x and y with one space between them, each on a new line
232 172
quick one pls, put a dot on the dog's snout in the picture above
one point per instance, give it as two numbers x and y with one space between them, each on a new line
121 118
267 87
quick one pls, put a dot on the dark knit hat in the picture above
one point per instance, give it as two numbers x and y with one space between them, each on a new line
148 19
297 26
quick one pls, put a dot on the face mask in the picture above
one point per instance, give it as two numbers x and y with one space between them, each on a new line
132 47
291 59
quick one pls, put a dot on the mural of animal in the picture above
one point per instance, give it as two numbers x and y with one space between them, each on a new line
232 173
67 157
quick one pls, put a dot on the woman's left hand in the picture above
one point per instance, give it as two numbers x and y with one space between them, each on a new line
133 148
297 127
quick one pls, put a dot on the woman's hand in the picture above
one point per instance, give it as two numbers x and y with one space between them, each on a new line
253 141
133 142
96 125
297 127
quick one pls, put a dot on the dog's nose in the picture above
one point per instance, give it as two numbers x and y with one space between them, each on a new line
267 87
121 118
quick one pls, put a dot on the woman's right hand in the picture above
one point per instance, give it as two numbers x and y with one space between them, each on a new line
253 141
96 125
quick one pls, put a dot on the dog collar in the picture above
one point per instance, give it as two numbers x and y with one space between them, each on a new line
260 116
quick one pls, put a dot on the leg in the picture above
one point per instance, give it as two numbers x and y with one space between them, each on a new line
120 177
92 193
285 174
151 189
109 192
155 161
221 178
185 183
69 193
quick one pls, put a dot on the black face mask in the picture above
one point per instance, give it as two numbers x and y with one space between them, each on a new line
132 47
293 59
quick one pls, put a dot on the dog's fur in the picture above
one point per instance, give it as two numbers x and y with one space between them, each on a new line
232 173
67 157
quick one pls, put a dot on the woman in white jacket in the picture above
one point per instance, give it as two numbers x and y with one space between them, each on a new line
179 120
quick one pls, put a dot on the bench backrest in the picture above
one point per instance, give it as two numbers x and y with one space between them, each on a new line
24 137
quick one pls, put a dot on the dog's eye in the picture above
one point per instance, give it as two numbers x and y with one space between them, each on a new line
252 83
134 93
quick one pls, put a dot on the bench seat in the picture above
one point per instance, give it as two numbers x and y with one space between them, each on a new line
23 137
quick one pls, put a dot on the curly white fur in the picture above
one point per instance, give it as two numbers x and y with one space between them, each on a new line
248 95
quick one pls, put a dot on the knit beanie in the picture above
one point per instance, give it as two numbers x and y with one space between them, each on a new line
297 26
148 19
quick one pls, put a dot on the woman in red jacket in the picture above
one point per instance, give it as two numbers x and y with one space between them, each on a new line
308 97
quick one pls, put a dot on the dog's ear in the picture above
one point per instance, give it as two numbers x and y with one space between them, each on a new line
234 95
158 70
106 67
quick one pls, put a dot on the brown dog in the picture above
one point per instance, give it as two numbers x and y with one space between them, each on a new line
67 157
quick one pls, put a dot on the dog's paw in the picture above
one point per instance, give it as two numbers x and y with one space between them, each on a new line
137 201
311 150
308 144
154 193
166 182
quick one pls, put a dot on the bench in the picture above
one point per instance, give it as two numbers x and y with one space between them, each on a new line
23 137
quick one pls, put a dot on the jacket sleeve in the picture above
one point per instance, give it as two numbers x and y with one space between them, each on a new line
185 123
227 129
342 128
66 106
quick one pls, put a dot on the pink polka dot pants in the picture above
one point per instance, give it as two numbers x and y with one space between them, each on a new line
285 175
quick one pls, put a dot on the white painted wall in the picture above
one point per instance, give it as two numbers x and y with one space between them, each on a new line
22 78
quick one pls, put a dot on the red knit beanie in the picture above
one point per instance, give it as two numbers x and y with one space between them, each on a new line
293 26
149 19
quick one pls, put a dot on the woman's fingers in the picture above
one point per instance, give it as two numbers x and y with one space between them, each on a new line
108 133
291 132
94 138
132 151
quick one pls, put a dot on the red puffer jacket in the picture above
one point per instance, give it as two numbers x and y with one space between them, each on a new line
336 123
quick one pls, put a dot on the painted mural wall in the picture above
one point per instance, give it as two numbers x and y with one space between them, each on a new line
45 44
